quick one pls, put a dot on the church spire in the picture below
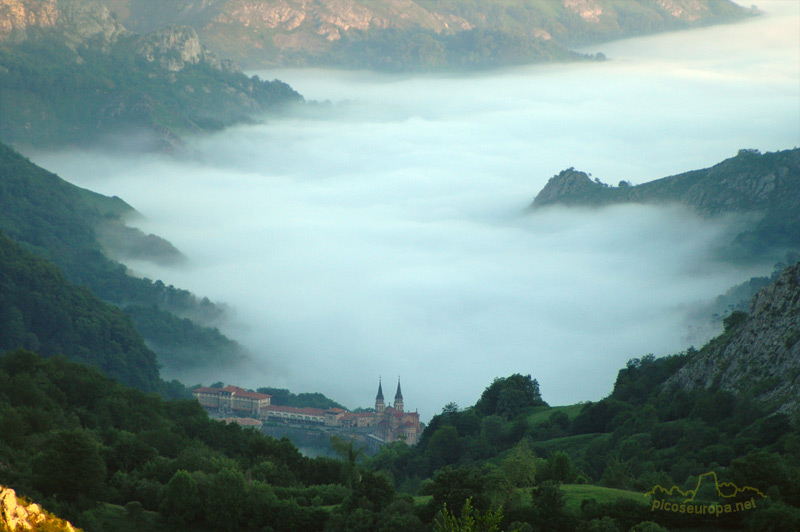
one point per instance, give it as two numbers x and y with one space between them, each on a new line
379 404
398 397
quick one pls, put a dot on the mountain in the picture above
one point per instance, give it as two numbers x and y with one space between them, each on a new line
72 74
759 354
42 311
761 189
414 34
78 230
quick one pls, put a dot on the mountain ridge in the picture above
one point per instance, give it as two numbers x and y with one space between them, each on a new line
764 187
72 74
81 232
413 34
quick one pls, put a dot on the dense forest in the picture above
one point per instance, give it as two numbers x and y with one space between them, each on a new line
60 222
56 93
114 458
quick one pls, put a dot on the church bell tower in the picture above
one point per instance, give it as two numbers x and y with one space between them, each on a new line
380 406
398 398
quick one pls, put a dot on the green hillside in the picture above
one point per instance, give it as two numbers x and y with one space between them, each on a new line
60 222
762 190
138 92
40 310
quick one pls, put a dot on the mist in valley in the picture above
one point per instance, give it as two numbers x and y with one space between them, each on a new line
386 234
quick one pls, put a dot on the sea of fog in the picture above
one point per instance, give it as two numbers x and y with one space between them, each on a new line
386 234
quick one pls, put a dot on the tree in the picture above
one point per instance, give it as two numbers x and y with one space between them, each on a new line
520 465
548 505
560 467
181 499
223 503
444 447
471 520
372 492
509 395
648 526
71 467
350 455
452 487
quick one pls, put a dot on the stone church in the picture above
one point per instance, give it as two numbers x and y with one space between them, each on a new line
393 423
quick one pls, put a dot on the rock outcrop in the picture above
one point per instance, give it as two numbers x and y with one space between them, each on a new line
758 354
261 33
177 46
17 515
17 16
568 187
751 181
80 22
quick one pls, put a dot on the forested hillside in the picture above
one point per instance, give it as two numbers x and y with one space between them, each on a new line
762 190
78 77
60 222
41 311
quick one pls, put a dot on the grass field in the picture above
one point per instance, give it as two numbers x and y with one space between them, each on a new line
540 414
574 494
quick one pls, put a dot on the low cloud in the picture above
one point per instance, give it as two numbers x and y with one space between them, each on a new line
389 236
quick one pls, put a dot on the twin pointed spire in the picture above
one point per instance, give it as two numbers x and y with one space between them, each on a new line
380 391
380 405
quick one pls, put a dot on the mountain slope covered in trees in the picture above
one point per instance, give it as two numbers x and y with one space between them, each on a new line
40 310
61 222
652 430
70 74
762 190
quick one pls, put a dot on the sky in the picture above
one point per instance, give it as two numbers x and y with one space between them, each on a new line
386 235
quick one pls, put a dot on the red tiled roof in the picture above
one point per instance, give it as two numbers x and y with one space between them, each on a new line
335 410
241 392
233 390
204 389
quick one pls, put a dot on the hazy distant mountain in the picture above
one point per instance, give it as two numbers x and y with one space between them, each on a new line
416 34
763 187
71 73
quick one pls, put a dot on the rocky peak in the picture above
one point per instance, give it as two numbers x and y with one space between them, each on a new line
177 46
760 351
17 16
15 515
84 21
569 186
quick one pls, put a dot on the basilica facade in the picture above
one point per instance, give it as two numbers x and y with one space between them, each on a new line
393 423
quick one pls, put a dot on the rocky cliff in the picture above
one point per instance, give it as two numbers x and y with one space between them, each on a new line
175 47
759 353
17 16
414 33
18 515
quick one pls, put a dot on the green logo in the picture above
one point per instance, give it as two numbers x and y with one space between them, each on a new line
709 497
